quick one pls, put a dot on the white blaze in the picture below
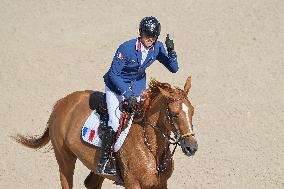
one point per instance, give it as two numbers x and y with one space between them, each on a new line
185 109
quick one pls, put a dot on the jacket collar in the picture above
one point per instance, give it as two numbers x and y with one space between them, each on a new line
138 45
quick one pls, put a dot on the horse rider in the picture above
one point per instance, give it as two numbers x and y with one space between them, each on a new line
126 78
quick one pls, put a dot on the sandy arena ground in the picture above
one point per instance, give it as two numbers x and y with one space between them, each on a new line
234 50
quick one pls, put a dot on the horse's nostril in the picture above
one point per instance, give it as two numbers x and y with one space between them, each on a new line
188 149
191 150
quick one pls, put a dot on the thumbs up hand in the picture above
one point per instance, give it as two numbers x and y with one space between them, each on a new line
169 43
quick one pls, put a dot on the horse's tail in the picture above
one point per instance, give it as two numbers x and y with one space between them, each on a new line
38 141
35 142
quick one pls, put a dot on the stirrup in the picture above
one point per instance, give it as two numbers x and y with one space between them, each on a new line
107 167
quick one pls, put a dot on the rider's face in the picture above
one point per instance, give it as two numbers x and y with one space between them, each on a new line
148 40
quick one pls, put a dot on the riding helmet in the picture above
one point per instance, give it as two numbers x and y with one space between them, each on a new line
150 25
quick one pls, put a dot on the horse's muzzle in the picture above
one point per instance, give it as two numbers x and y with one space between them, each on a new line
188 148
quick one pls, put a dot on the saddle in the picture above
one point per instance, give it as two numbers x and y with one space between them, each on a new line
97 101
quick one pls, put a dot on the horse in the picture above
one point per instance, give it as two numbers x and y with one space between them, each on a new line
145 159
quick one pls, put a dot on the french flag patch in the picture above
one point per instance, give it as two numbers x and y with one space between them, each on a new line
119 55
88 134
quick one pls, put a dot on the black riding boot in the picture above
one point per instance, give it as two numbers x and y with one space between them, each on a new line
107 165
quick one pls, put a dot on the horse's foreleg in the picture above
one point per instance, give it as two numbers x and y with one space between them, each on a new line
66 161
93 181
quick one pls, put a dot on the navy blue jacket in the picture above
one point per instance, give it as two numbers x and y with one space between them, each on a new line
127 76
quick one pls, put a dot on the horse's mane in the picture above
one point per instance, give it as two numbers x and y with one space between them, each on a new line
153 90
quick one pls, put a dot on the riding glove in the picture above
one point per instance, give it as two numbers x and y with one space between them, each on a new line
130 104
169 44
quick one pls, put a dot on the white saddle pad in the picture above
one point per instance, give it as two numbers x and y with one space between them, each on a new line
90 131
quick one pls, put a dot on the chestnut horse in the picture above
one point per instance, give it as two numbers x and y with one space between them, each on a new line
144 160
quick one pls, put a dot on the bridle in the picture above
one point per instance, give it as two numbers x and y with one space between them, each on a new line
162 166
173 115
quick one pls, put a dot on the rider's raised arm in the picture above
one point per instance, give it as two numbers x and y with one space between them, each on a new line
169 60
117 65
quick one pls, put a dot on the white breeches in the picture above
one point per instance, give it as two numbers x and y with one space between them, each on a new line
113 100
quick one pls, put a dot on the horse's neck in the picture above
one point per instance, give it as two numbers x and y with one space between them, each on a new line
141 133
155 128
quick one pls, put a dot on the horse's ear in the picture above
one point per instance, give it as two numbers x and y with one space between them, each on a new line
164 92
187 85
